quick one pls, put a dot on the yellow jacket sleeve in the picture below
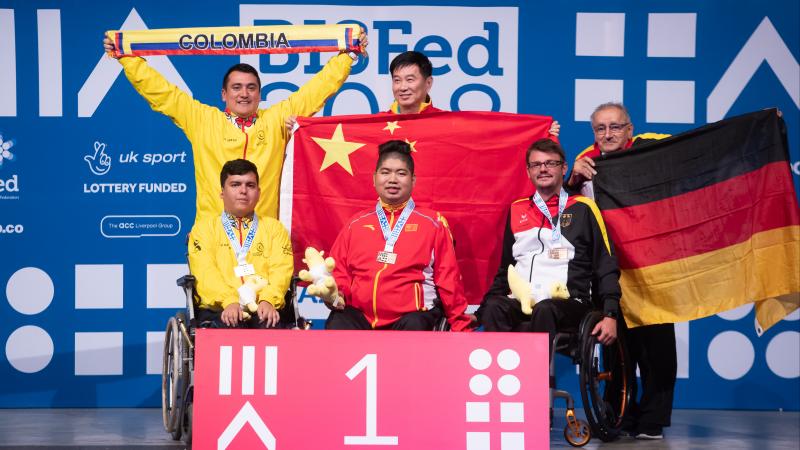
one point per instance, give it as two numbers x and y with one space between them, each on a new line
278 262
214 286
163 96
311 97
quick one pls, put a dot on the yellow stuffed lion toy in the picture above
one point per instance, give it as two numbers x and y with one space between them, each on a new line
521 289
319 275
248 294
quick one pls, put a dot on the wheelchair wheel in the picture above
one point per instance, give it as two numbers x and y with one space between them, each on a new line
174 375
188 416
577 435
604 383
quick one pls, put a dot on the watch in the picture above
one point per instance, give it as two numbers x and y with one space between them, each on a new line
611 314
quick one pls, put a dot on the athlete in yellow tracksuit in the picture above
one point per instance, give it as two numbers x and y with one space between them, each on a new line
217 136
226 248
212 261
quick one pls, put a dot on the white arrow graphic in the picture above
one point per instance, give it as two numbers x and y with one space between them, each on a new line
765 44
246 415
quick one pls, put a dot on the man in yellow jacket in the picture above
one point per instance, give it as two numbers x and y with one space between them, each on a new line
242 130
227 248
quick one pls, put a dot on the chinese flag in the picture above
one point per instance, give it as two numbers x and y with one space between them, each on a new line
705 221
469 165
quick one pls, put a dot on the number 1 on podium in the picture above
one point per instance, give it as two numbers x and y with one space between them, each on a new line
369 362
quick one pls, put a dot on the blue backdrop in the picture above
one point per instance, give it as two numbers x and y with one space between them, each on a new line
90 252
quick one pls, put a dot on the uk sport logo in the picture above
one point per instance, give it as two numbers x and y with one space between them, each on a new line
99 162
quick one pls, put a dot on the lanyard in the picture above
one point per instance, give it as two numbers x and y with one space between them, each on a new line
391 237
562 203
240 250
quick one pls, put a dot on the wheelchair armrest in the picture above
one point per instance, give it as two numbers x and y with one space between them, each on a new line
186 281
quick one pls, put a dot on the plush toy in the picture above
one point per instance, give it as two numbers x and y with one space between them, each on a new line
559 291
248 293
319 275
523 292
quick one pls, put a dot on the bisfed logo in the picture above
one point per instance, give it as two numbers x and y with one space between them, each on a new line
9 186
11 229
5 149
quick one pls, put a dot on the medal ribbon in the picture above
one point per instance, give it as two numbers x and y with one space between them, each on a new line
562 204
240 250
391 236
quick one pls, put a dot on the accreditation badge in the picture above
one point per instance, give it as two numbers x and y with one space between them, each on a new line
387 257
243 270
558 253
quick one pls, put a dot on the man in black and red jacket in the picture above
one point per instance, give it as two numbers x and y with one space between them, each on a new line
554 239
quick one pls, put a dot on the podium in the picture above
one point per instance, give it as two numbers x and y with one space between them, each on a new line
292 389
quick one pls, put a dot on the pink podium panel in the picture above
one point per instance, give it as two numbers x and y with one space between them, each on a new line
276 390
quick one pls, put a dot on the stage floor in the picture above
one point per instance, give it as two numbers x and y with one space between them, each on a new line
141 429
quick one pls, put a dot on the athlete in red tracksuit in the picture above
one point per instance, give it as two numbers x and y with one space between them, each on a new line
390 283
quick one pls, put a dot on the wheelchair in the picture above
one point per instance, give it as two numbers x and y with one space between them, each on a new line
605 378
177 375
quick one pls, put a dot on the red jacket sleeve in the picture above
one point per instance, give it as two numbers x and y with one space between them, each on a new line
447 279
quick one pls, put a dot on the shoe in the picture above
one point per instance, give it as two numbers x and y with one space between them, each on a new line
650 433
628 429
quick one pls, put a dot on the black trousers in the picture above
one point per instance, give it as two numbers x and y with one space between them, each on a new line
213 319
353 319
652 347
500 313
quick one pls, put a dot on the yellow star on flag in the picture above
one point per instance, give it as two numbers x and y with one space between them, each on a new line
412 144
337 150
391 126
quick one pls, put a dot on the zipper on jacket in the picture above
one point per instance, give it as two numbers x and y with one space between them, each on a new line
375 283
539 238
241 241
246 141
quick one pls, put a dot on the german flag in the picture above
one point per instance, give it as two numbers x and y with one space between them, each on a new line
705 221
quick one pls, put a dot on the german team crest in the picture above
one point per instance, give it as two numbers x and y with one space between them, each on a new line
566 220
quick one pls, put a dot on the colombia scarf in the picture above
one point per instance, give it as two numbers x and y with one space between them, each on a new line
236 40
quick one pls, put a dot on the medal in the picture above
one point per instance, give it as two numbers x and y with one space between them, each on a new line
556 250
388 256
243 270
240 251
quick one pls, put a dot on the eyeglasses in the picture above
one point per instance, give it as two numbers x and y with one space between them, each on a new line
549 163
614 128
